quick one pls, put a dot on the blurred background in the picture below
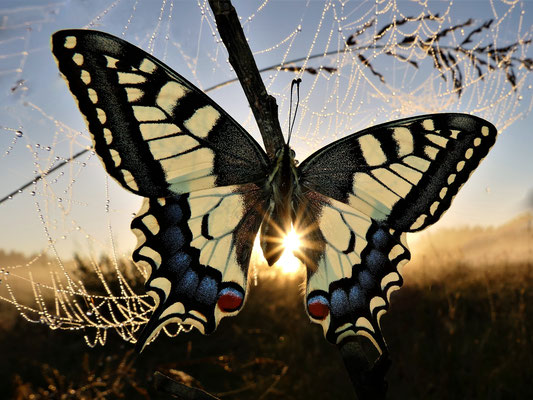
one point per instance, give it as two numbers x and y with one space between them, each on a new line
459 328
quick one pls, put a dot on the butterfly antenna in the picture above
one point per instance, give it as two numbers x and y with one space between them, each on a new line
291 122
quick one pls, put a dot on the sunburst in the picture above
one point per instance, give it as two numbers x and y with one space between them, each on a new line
288 263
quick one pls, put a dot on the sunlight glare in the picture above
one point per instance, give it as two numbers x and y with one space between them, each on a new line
288 263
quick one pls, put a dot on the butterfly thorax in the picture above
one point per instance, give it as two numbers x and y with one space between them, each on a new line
281 183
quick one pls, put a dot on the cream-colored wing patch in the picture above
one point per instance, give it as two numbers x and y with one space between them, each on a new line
202 121
111 62
147 66
372 151
78 59
85 77
171 146
134 94
190 171
428 125
215 214
93 96
409 174
438 140
152 131
70 42
417 163
130 78
376 195
148 113
404 140
344 230
169 96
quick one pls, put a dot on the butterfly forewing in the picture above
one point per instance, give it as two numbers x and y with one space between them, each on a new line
156 133
405 172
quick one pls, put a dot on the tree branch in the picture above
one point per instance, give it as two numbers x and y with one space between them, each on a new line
264 106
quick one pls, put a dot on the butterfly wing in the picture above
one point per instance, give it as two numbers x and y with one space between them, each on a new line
200 171
197 247
155 132
367 190
406 172
357 263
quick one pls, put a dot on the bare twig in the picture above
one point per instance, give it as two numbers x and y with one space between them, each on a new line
264 106
276 380
309 70
167 385
441 54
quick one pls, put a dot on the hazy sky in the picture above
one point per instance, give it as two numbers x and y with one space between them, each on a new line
72 212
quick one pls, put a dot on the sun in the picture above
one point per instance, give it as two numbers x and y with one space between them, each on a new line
288 263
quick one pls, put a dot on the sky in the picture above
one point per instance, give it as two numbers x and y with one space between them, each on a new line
81 210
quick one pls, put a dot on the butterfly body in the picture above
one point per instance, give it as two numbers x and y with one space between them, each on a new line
209 189
281 187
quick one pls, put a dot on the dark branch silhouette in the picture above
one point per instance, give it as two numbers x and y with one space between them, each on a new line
263 105
367 376
444 55
41 176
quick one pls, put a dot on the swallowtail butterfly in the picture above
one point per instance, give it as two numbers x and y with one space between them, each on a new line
209 188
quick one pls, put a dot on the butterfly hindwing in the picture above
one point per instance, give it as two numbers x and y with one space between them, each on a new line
197 249
404 173
156 133
357 268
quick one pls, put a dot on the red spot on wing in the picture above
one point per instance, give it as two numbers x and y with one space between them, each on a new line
318 309
230 300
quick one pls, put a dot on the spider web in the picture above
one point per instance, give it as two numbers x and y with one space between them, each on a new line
362 63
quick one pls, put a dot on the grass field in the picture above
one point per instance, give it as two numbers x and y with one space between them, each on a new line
455 331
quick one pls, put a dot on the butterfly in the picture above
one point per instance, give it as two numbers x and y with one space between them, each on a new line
209 189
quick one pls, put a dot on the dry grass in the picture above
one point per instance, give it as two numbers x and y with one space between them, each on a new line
456 330
467 336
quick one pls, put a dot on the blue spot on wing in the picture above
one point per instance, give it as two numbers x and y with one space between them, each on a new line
172 239
178 263
366 280
172 212
339 303
376 262
207 291
356 297
188 283
380 239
